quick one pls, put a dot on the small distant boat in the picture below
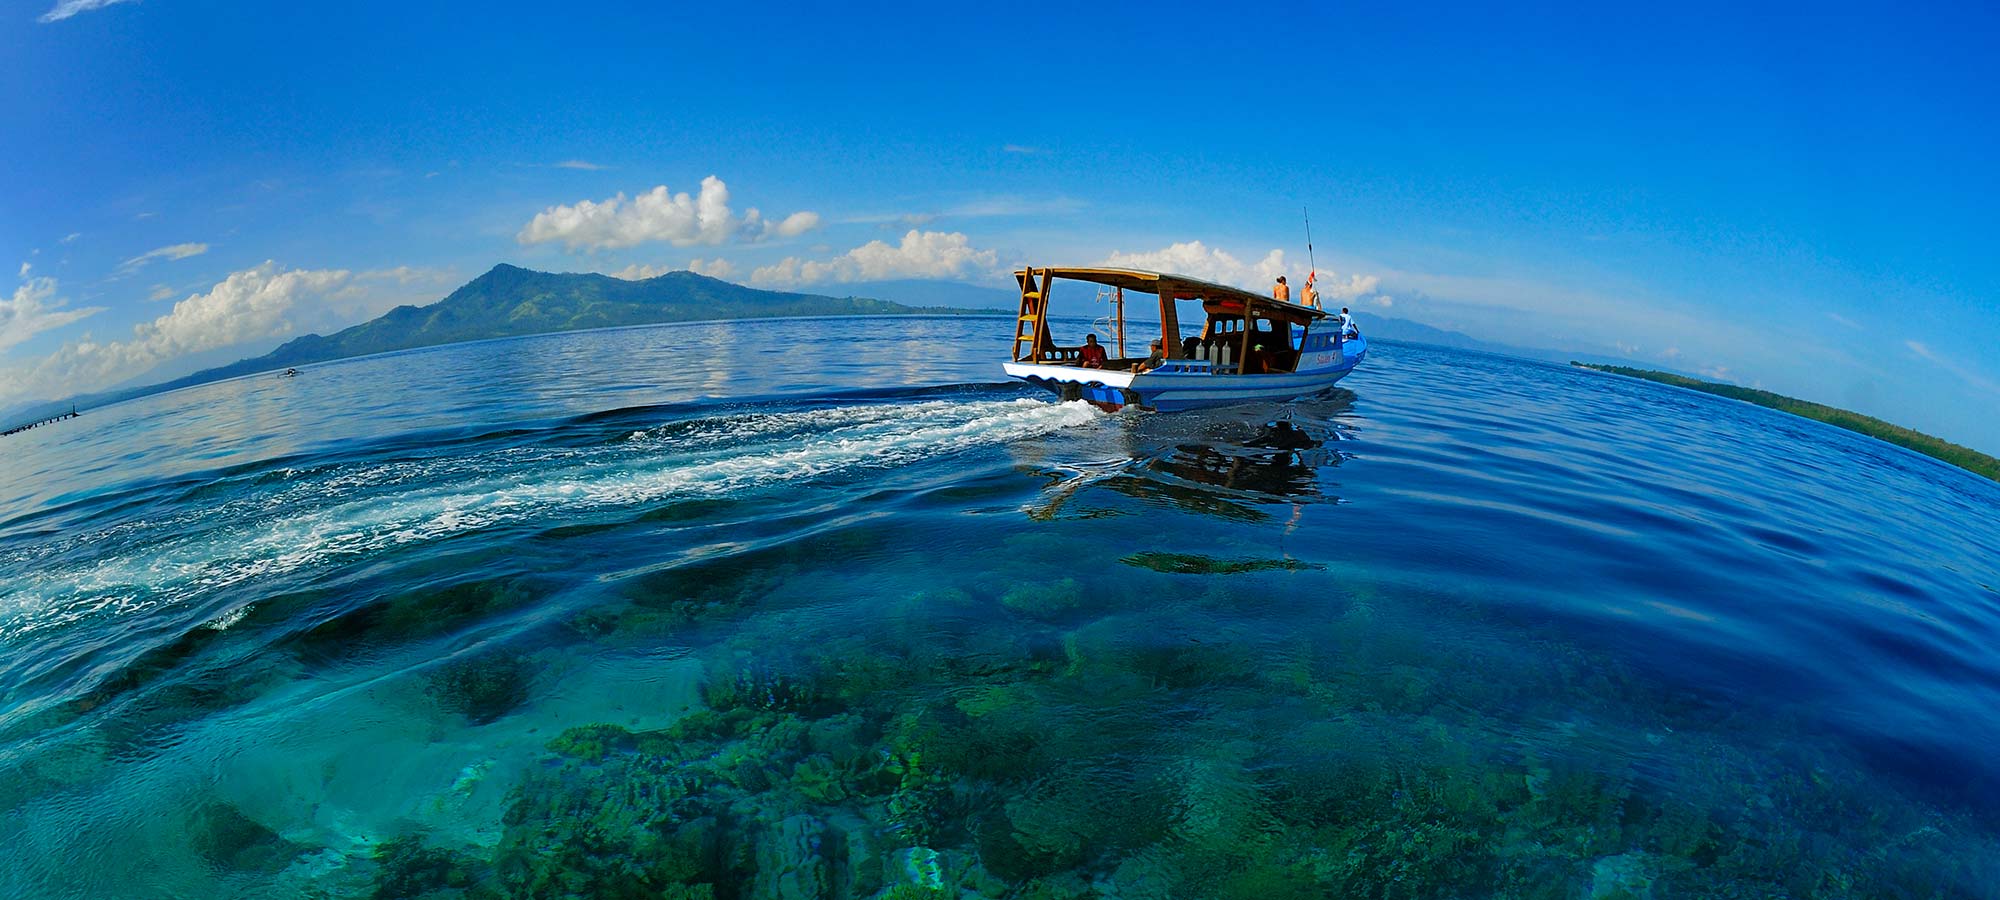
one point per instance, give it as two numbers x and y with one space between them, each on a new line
1250 347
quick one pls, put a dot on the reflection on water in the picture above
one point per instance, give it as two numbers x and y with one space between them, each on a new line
569 616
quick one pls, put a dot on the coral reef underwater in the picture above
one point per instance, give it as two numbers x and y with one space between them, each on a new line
1177 735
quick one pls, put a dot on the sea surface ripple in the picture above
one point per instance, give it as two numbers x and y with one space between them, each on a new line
849 614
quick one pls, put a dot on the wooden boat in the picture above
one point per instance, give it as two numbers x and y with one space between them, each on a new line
1250 347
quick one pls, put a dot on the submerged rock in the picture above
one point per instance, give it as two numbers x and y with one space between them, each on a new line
228 839
1627 876
635 826
483 688
791 863
408 868
1194 564
1044 600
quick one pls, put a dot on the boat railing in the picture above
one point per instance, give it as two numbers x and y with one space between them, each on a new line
1191 367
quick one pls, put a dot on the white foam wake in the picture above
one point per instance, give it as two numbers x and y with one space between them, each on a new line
332 516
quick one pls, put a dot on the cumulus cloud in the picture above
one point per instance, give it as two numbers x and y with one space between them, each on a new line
33 309
1222 267
639 272
175 251
659 216
796 224
262 302
66 8
921 254
713 268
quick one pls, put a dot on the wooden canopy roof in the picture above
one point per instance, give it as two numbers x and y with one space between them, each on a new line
1179 286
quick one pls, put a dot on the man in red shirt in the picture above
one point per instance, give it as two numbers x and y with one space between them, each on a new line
1091 356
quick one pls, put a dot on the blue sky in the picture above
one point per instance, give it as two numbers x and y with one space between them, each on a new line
1796 198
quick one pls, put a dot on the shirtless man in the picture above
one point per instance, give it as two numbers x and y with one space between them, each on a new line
1281 290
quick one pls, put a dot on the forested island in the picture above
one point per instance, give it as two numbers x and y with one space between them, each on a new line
509 301
1963 457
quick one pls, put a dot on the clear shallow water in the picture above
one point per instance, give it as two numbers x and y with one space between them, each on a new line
655 610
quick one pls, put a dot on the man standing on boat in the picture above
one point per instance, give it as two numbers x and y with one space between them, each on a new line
1281 290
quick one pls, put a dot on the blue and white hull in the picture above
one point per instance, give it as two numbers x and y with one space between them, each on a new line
1182 384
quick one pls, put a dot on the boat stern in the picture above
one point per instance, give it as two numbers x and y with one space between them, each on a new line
1107 388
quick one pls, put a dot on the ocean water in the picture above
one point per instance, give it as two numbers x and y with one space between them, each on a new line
822 609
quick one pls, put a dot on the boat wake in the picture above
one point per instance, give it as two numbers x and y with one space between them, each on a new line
288 521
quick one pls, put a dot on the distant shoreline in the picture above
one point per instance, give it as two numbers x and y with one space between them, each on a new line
1937 448
509 301
113 398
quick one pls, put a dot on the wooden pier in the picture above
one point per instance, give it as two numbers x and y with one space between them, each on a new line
37 424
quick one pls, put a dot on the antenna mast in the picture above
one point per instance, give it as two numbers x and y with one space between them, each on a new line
1309 242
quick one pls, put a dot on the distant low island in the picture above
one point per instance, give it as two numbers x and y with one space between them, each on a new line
1963 457
509 301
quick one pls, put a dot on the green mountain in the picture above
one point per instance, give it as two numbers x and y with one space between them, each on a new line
1963 457
509 301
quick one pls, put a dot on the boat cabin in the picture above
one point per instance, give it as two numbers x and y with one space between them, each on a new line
1241 332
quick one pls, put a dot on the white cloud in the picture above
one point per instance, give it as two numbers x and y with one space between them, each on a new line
1195 259
161 292
71 237
407 275
639 272
1837 317
921 254
660 216
1215 264
249 305
713 268
34 309
796 224
580 164
1023 149
24 269
66 8
175 251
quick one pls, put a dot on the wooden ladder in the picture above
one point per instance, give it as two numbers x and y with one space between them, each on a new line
1031 326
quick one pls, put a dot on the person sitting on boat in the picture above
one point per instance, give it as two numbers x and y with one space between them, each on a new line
1153 359
1091 354
1347 327
1281 290
1309 296
1260 361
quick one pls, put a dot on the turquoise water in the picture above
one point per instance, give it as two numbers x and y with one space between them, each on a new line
663 612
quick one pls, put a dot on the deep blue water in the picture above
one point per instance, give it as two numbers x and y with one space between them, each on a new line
820 608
